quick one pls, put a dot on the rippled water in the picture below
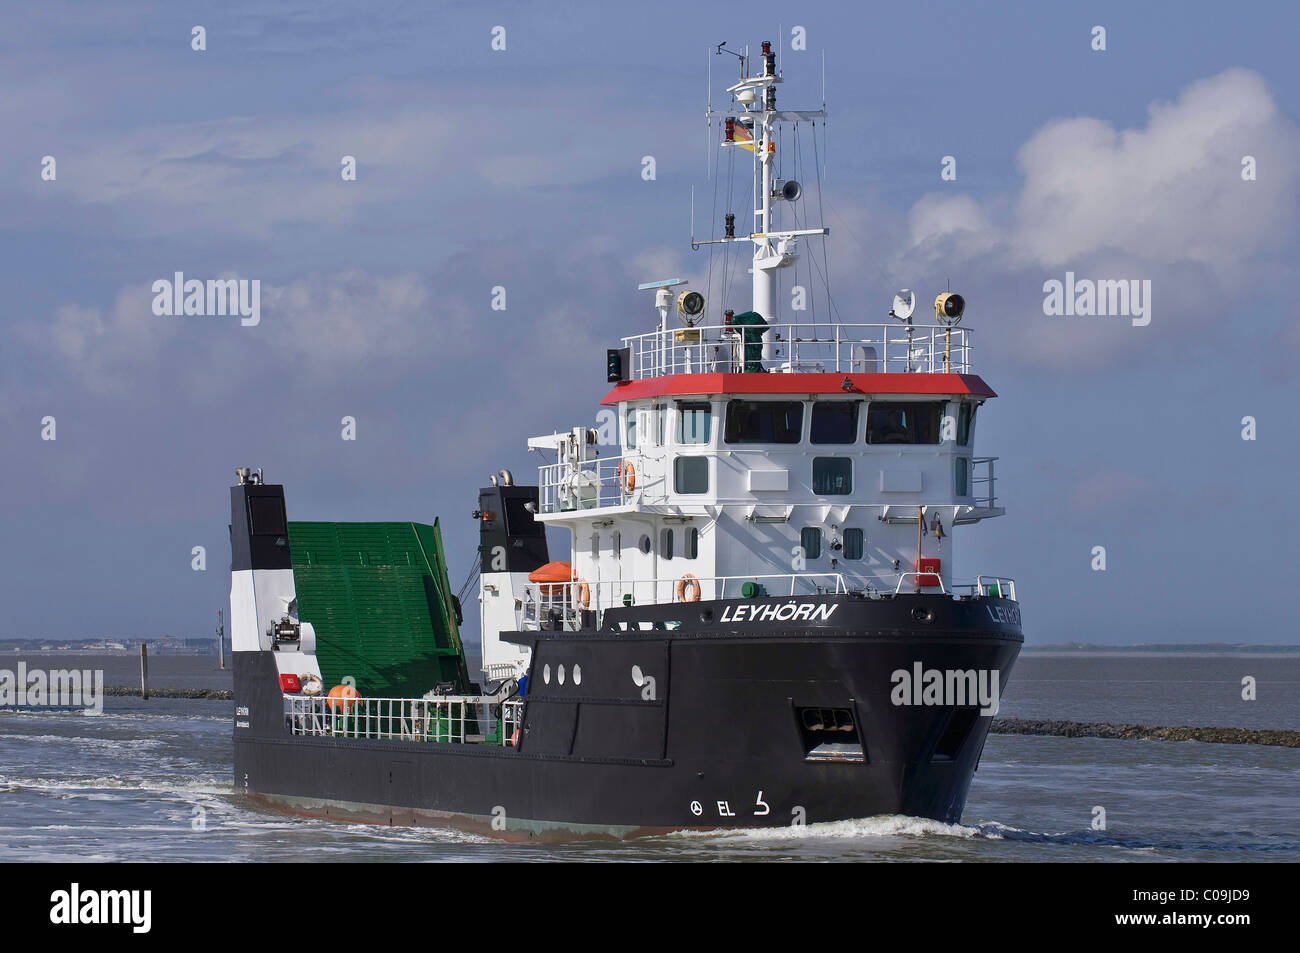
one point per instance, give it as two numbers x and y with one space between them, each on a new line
152 781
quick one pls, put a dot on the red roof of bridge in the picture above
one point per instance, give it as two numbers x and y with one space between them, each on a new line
675 385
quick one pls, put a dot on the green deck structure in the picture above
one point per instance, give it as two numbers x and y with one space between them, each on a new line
378 597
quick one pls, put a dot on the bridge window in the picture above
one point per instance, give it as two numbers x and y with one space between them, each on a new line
965 417
853 540
519 521
764 421
267 514
904 421
629 429
810 539
691 475
666 543
694 423
692 543
961 481
834 421
832 476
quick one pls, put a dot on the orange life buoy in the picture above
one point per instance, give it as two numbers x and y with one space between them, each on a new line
514 738
627 475
584 593
688 582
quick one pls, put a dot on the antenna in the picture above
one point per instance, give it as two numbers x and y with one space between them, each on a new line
708 123
752 121
718 51
904 305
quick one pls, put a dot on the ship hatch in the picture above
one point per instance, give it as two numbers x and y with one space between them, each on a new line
829 734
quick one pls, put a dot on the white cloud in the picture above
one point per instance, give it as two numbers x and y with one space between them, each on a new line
1170 192
937 216
248 175
1166 193
103 349
353 318
1165 202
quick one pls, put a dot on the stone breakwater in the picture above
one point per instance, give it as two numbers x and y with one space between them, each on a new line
218 693
1086 729
1001 726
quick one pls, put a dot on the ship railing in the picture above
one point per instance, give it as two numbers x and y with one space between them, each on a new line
999 587
590 484
800 348
916 577
628 479
450 719
498 671
983 481
545 605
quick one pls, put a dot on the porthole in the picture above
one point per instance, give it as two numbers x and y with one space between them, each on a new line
546 674
559 674
577 674
706 615
645 544
922 614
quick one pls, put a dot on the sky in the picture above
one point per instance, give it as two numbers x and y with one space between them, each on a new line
522 168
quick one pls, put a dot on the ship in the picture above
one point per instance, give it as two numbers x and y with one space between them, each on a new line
756 622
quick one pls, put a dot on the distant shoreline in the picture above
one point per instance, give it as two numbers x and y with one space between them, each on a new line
1057 648
1155 648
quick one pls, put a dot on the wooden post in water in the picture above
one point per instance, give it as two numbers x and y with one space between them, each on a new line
144 671
221 638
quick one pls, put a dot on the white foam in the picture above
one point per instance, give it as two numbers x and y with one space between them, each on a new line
885 825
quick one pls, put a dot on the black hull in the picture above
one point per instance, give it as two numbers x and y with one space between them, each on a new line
719 740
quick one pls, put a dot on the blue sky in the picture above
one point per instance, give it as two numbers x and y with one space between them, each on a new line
522 168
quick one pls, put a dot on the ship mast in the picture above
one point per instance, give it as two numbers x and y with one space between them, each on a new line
751 122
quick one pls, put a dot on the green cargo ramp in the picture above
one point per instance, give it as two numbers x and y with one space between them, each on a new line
378 597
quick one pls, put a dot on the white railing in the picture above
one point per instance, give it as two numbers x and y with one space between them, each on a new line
625 480
604 481
443 718
1002 587
497 671
829 348
999 587
983 482
543 603
902 576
